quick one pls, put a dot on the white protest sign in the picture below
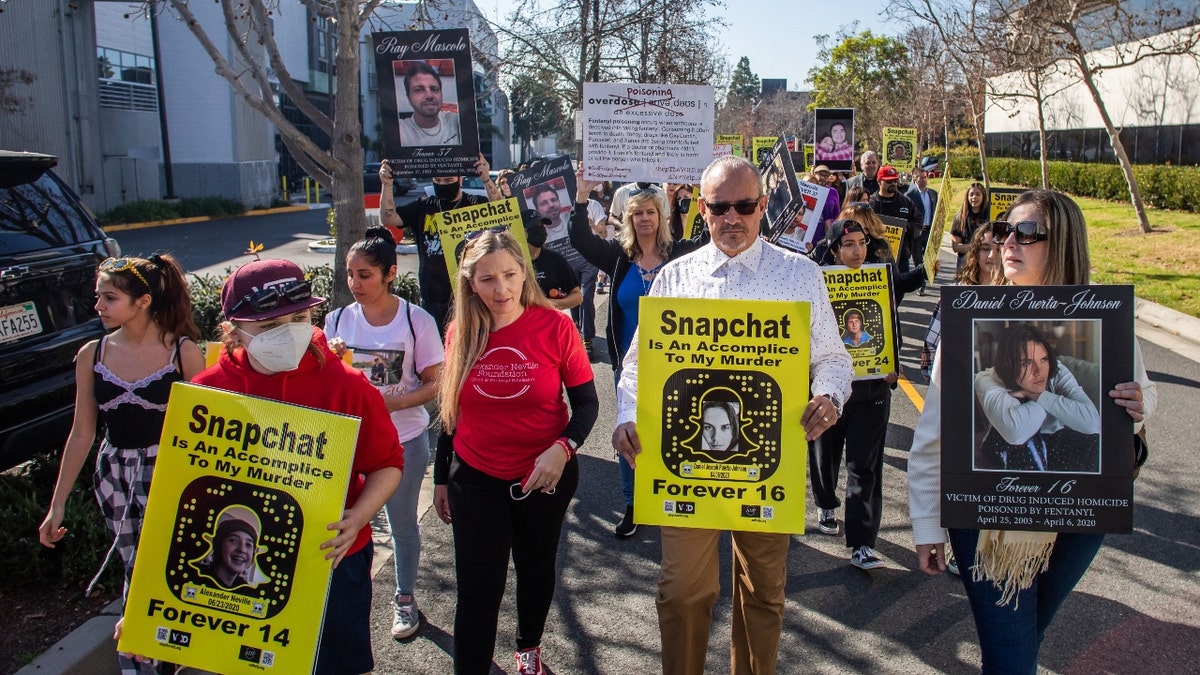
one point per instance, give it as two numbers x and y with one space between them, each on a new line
647 132
722 150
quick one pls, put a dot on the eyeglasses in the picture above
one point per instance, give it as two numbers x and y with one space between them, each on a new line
642 191
269 298
118 265
1027 231
744 208
478 233
860 205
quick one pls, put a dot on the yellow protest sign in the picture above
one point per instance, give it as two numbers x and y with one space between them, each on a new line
453 227
762 147
230 576
862 302
1001 199
693 224
722 386
900 148
809 150
937 226
892 234
732 139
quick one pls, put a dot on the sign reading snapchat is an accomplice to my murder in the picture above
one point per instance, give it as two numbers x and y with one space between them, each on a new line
230 576
722 385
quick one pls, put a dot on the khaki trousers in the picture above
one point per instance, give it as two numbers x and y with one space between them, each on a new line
688 585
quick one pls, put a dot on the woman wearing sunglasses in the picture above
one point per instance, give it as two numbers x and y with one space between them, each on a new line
273 351
1043 242
632 260
505 471
123 381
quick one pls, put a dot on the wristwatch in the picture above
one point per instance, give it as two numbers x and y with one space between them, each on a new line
837 405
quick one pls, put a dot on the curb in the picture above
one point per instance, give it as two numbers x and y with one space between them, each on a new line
1176 323
200 219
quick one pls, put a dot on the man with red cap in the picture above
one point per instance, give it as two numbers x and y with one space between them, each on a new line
890 202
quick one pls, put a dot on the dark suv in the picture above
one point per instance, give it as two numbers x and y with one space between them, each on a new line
50 246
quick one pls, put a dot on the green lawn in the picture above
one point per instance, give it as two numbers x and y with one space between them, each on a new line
1163 266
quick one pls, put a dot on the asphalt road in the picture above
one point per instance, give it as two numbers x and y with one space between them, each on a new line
1136 611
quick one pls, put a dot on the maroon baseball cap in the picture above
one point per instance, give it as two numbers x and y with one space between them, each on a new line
888 173
265 289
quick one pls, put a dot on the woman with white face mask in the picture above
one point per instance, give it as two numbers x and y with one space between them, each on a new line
272 350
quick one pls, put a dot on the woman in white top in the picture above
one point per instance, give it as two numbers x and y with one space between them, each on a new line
1043 242
397 345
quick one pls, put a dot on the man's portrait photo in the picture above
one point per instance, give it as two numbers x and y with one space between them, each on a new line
232 559
428 108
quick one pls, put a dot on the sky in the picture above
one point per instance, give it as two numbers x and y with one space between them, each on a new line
779 44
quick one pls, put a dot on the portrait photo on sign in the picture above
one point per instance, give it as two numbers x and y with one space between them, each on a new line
854 332
427 102
1037 389
833 138
551 200
233 549
234 542
707 421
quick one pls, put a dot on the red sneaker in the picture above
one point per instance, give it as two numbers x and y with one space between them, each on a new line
529 662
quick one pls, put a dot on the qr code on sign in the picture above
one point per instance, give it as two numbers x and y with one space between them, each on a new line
268 659
161 634
768 512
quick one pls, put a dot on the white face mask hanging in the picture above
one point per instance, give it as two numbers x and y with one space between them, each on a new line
281 348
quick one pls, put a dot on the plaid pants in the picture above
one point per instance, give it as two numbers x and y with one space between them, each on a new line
122 481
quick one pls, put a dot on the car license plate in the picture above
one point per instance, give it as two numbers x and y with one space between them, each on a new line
18 321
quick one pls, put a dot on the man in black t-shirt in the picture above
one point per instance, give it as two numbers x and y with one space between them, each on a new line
417 218
554 274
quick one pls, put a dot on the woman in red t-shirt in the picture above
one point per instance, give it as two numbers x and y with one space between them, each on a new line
506 465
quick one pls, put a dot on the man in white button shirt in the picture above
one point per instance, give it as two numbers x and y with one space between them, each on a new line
737 264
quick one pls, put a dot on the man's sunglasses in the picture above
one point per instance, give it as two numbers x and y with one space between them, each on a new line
269 298
1027 231
744 208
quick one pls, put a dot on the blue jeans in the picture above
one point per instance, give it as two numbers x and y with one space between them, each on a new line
401 509
626 470
1009 636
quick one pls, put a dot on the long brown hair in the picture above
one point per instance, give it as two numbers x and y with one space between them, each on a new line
472 322
1068 262
963 216
161 277
971 271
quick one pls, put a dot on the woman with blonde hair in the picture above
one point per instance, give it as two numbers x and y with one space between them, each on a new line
505 470
632 260
1017 580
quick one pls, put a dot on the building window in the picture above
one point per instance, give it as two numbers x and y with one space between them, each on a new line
126 80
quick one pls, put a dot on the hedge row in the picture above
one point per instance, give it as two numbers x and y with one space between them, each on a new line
1163 187
149 210
205 290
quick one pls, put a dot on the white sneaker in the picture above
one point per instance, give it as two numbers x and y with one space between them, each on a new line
864 558
408 619
827 522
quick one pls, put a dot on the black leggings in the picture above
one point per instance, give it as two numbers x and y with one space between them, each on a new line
489 524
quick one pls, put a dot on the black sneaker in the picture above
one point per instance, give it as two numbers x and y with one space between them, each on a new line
626 528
